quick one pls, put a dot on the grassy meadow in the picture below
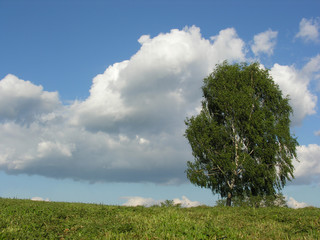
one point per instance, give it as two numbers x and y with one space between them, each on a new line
26 219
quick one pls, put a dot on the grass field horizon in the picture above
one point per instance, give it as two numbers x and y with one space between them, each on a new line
27 219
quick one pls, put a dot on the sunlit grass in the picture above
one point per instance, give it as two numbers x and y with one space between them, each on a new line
25 219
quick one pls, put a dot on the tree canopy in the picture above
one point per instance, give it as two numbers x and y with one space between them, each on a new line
241 140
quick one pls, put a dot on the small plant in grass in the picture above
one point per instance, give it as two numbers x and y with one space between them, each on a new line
170 203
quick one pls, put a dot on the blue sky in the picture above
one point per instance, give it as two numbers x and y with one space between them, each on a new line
93 94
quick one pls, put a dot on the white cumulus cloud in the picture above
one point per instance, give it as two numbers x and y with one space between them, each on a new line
185 202
309 30
130 128
48 148
264 42
22 101
292 203
307 170
158 84
296 84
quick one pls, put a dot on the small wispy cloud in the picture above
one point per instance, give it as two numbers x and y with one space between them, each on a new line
309 30
147 202
317 133
140 201
40 199
264 42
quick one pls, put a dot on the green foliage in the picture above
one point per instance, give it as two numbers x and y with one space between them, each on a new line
277 200
169 203
25 219
241 139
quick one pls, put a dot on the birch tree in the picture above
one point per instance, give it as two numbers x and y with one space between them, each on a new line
241 140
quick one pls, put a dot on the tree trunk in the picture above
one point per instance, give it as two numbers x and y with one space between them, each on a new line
229 199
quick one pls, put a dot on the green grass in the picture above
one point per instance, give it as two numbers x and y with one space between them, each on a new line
25 219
